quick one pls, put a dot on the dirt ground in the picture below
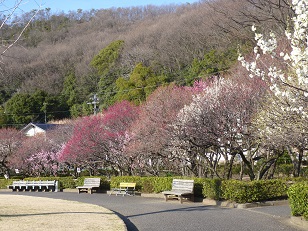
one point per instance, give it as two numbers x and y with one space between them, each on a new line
19 212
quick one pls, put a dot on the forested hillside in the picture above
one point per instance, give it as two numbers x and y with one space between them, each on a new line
63 59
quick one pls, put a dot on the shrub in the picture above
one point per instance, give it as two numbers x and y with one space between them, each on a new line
285 169
4 183
298 198
243 192
211 188
158 184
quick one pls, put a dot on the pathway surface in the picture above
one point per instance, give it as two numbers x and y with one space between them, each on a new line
154 214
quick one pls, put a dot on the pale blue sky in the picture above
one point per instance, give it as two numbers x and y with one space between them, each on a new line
73 5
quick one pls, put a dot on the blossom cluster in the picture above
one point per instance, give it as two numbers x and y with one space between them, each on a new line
290 84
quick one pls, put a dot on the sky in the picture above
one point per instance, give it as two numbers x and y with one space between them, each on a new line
73 5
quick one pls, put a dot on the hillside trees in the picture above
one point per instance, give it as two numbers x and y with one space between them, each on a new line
141 83
270 15
25 108
106 64
173 41
11 39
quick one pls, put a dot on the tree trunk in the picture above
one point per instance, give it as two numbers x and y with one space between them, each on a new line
248 164
297 161
229 174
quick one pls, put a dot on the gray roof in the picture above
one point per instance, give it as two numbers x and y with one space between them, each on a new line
45 127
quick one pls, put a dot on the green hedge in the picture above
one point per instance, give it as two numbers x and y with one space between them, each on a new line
298 198
243 192
4 183
144 184
211 188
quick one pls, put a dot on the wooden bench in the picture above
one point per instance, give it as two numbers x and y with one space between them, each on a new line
180 189
89 184
46 185
124 189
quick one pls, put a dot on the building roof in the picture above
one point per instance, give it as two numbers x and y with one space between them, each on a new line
32 129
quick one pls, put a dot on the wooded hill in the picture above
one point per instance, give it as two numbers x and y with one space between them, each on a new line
62 59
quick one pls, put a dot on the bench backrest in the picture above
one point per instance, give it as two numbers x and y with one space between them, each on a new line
33 183
19 183
127 185
183 185
93 182
48 182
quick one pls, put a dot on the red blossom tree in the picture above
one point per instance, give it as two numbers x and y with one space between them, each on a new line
100 140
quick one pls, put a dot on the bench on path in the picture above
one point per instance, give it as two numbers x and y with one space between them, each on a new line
180 189
124 189
41 185
89 184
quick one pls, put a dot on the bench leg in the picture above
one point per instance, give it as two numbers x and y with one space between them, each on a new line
166 197
181 199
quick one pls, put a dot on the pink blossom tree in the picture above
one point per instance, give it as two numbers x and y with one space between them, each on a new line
10 141
152 131
39 155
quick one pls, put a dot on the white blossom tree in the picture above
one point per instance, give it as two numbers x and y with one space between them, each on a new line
216 125
285 121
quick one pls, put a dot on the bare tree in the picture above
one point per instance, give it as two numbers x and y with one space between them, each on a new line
8 11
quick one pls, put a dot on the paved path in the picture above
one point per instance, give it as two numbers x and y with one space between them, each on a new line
154 214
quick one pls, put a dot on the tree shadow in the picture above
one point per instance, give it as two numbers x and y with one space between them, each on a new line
54 213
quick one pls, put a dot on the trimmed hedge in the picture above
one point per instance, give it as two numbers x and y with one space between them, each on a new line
298 198
243 192
212 189
5 182
144 184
